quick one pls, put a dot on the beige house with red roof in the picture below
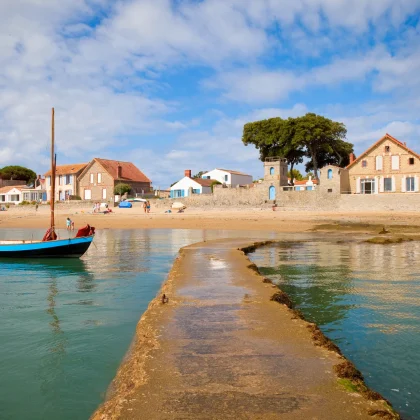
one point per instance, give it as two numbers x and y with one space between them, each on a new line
99 178
388 166
66 183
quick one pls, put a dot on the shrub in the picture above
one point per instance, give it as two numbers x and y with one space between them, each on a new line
121 189
213 184
24 203
74 197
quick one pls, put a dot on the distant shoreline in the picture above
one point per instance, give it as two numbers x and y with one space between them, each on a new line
214 219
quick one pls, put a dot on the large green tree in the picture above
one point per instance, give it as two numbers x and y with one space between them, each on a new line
274 137
18 173
319 139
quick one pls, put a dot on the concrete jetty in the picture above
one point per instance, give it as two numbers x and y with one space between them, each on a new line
220 349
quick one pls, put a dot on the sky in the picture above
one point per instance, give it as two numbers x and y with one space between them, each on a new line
169 84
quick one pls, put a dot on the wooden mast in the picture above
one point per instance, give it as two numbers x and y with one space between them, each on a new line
52 199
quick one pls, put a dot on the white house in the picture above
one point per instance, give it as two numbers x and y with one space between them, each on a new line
228 177
188 185
18 193
304 184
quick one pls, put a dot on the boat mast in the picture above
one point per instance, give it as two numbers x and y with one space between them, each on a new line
52 199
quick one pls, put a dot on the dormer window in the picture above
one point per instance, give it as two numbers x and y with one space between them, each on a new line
364 163
386 149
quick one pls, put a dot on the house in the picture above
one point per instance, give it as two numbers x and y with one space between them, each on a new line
304 184
188 186
99 178
66 183
18 193
228 177
388 166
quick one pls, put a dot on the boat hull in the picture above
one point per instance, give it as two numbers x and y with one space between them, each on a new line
61 248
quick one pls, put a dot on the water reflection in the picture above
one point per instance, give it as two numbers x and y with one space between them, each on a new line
365 297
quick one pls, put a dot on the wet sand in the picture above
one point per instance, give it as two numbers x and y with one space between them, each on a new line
220 349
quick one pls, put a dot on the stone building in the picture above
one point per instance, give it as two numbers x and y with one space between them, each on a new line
333 179
388 166
275 177
99 178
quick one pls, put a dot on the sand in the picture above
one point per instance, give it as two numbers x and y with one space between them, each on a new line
221 349
235 219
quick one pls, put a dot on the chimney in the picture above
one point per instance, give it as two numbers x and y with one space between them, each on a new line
187 173
119 171
352 158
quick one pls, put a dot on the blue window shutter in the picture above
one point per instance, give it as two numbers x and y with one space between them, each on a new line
171 194
182 193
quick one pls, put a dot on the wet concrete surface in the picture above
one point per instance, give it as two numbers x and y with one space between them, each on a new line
223 350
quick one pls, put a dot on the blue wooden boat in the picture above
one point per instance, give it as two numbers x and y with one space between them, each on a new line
62 248
50 246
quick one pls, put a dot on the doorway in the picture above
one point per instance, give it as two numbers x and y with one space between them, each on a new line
272 193
368 186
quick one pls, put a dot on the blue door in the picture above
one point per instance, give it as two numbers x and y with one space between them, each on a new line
272 193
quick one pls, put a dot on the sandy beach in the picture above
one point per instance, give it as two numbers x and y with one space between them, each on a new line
195 218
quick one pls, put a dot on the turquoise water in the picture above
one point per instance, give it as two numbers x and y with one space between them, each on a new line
364 297
65 326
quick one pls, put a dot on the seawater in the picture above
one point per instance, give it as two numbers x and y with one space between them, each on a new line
364 297
65 325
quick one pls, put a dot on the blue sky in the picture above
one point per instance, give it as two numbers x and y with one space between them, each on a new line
169 84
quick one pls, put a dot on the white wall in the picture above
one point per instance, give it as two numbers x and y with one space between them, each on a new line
185 184
232 179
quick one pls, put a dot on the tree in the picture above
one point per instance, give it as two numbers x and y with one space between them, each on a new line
213 183
274 137
200 174
323 140
121 189
19 173
315 137
295 174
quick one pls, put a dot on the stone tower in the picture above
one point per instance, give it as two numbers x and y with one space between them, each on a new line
275 176
275 171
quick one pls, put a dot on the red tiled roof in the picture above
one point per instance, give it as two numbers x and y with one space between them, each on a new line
7 189
68 169
386 136
129 171
304 181
203 182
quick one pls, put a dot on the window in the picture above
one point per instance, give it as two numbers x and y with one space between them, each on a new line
60 180
330 174
49 181
15 197
364 163
2 198
104 193
177 193
329 189
409 184
68 179
99 178
196 191
378 161
91 178
271 171
411 161
386 149
395 162
387 184
226 178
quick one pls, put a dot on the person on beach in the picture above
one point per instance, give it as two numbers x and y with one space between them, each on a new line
36 207
148 206
68 223
145 206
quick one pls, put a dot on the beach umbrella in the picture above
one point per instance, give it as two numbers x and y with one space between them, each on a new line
178 205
